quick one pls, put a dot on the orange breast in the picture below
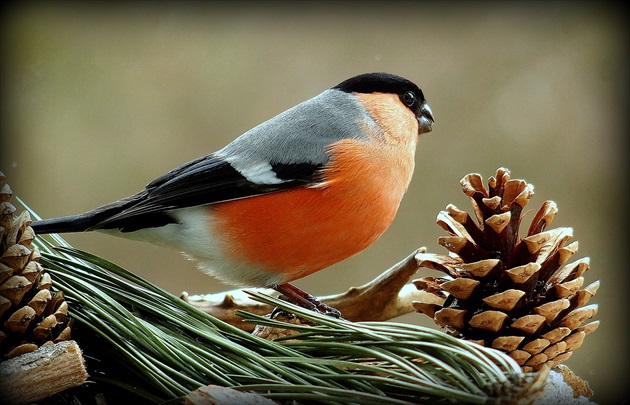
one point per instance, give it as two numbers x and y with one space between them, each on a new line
303 230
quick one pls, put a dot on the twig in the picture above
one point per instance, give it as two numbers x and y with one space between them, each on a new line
386 297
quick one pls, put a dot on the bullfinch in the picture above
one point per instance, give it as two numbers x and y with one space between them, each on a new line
308 188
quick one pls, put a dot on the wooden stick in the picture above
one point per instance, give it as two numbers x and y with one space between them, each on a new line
48 370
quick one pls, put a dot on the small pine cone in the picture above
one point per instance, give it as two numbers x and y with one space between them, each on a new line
31 314
514 294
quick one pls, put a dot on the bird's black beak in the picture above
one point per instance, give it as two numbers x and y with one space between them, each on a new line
425 120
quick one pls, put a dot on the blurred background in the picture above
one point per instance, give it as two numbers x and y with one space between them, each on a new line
97 100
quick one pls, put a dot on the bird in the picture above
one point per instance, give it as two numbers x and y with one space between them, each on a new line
310 187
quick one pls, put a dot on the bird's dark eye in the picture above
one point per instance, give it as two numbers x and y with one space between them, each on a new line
409 98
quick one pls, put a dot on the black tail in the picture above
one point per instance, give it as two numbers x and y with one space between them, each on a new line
72 223
109 216
80 223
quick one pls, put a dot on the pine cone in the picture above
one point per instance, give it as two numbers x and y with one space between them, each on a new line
514 294
31 314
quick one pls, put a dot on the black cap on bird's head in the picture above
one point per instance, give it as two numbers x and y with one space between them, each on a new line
408 92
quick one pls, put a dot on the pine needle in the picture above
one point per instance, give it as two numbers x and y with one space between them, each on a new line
166 347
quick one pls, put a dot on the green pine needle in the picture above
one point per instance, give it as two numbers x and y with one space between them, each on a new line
166 347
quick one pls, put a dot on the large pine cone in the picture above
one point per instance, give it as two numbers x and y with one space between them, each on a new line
514 294
31 314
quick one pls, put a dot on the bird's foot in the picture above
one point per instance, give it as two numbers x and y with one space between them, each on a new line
300 297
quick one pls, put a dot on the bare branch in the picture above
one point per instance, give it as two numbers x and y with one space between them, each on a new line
386 297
